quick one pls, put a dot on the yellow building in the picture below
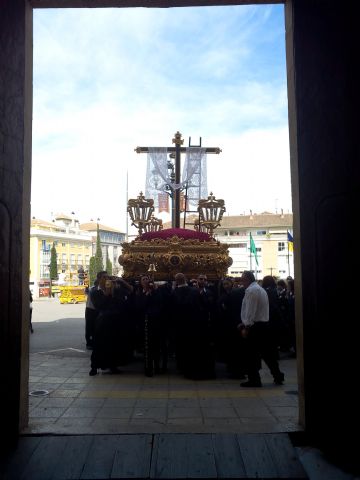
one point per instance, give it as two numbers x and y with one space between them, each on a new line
73 248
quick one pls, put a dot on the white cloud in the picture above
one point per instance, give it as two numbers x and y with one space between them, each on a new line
106 81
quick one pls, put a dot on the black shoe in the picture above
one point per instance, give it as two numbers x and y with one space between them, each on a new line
279 379
251 384
93 372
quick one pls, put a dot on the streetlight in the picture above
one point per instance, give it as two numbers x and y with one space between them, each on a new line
210 213
140 210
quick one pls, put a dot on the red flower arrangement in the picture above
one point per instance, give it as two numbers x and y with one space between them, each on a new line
176 232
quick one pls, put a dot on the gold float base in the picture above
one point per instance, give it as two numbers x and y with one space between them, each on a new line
173 255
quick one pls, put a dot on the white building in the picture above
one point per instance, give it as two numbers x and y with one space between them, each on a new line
270 235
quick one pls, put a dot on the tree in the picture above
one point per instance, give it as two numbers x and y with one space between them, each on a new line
92 271
99 265
53 267
53 263
96 262
109 267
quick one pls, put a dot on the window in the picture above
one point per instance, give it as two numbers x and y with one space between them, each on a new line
87 259
79 259
281 246
261 232
44 271
63 244
237 245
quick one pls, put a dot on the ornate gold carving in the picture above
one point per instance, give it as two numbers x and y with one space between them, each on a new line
174 255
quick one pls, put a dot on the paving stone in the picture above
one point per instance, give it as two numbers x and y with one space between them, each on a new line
181 412
151 402
65 393
80 412
46 412
219 412
153 413
56 402
88 402
114 412
119 402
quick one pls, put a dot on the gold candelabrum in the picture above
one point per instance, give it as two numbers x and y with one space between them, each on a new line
141 210
211 211
153 225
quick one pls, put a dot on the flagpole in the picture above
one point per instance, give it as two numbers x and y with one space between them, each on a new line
288 249
250 262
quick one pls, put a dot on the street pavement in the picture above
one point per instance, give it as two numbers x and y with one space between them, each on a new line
57 326
75 403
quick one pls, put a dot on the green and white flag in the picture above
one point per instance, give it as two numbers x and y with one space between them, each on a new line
253 249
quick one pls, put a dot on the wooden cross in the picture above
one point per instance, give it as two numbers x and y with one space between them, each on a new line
177 150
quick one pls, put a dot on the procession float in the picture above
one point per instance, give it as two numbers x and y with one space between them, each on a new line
163 252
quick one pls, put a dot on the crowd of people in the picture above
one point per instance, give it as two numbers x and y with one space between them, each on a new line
240 322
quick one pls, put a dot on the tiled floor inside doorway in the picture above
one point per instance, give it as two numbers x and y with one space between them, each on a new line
166 403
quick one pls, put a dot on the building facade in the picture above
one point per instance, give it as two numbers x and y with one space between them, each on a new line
75 244
269 232
73 249
110 241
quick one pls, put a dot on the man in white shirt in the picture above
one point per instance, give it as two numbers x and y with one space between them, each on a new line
256 329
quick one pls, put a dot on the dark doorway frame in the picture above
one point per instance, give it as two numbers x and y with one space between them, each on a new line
323 97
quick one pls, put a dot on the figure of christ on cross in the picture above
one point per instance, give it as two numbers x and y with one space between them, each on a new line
177 150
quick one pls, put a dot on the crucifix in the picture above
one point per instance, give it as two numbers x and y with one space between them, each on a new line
176 152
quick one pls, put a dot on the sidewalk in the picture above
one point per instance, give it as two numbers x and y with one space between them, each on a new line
167 403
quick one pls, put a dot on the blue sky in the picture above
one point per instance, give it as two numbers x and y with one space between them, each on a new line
108 80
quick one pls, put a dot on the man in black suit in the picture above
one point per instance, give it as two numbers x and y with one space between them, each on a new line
191 331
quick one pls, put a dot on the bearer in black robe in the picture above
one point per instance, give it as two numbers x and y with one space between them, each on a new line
191 330
232 346
151 325
112 338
